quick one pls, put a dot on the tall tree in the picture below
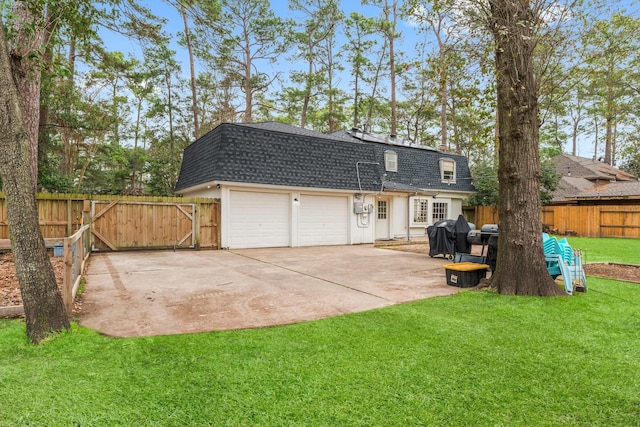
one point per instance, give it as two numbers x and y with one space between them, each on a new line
30 30
387 27
317 25
43 306
192 71
333 115
247 36
613 47
390 12
359 31
435 17
417 113
515 28
167 111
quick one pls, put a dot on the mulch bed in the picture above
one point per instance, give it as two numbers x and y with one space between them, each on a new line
627 272
9 287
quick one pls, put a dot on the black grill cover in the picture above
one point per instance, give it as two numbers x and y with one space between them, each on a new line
448 237
462 228
442 238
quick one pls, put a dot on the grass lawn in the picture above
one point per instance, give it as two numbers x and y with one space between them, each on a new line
476 358
608 249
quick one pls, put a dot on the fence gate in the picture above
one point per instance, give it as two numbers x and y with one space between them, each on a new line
123 224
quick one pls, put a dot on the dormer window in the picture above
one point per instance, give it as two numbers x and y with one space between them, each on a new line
390 161
448 171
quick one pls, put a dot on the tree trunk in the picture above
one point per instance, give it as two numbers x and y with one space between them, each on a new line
43 307
444 95
521 268
308 85
194 92
392 64
29 37
595 138
608 144
356 99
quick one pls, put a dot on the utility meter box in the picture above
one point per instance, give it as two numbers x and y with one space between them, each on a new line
358 207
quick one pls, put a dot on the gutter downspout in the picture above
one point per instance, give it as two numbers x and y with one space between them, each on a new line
408 218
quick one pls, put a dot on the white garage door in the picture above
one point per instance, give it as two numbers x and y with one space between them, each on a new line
324 220
259 220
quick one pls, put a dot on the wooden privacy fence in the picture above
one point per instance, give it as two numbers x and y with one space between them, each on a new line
587 221
123 222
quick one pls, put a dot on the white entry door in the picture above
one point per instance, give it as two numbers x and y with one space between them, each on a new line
382 219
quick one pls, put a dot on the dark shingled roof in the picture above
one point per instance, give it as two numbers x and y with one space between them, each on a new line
581 167
586 179
278 154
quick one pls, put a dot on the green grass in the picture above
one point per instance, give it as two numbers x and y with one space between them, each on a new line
626 251
473 359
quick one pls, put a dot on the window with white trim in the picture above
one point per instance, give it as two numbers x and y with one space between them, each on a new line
420 211
390 161
439 211
448 171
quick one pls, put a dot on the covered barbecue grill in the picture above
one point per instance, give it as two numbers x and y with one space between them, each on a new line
487 236
448 237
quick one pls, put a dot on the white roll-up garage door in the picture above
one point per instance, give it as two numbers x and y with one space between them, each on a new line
259 220
324 220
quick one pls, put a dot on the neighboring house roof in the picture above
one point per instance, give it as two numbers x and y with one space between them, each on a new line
586 179
581 167
278 154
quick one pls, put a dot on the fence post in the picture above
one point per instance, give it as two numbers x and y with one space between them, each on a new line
67 283
217 209
197 221
69 216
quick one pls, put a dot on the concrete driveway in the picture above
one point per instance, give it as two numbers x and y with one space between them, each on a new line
159 293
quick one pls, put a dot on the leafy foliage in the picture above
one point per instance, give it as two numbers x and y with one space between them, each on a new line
485 181
549 179
332 72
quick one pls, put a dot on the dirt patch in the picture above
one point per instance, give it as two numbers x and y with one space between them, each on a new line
416 248
9 286
422 248
627 272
